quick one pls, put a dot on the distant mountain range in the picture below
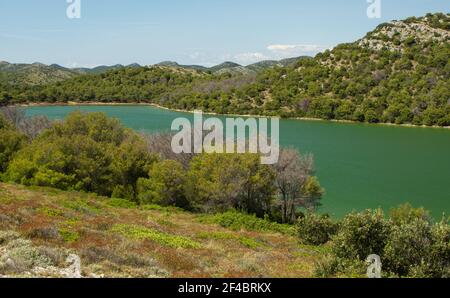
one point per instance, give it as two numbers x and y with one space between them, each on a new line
39 74
232 67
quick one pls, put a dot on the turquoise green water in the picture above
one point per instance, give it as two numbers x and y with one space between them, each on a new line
361 166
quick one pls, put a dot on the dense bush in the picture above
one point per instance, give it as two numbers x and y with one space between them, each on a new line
86 152
409 245
165 186
218 182
315 229
11 141
405 214
237 220
361 234
419 249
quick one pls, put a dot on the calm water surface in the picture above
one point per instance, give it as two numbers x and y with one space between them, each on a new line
361 166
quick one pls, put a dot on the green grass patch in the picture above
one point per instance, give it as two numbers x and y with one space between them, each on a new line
245 241
69 236
236 221
154 207
121 203
143 233
81 205
166 223
50 212
48 190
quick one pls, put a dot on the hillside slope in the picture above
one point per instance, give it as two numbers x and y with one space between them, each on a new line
399 73
40 228
33 74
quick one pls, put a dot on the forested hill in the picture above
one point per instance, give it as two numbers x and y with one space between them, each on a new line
398 73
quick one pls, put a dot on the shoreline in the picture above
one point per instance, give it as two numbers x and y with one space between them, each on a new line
72 103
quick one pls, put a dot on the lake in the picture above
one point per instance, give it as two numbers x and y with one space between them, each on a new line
360 165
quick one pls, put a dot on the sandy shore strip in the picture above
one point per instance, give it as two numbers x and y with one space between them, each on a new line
90 103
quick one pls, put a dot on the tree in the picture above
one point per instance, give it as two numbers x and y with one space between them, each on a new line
11 141
218 182
165 186
131 161
5 98
30 126
88 152
292 175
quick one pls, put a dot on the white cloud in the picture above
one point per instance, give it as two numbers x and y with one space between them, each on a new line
249 58
292 50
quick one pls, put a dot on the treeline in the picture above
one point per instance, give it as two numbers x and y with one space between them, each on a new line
93 153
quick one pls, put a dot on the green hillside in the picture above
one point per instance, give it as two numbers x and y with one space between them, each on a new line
398 73
32 74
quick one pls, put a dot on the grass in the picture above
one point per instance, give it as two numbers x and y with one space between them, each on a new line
245 241
143 233
51 212
116 238
237 221
68 235
121 203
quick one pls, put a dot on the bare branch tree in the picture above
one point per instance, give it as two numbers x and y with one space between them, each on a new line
29 126
293 171
161 144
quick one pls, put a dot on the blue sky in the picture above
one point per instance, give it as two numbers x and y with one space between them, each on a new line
188 31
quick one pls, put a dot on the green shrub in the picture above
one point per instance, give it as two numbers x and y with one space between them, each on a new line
50 212
406 214
11 141
143 233
236 221
361 234
419 249
88 152
7 236
165 185
245 241
316 229
439 257
218 182
22 256
408 246
69 236
335 267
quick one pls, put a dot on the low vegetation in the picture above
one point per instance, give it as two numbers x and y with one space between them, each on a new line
412 248
139 241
